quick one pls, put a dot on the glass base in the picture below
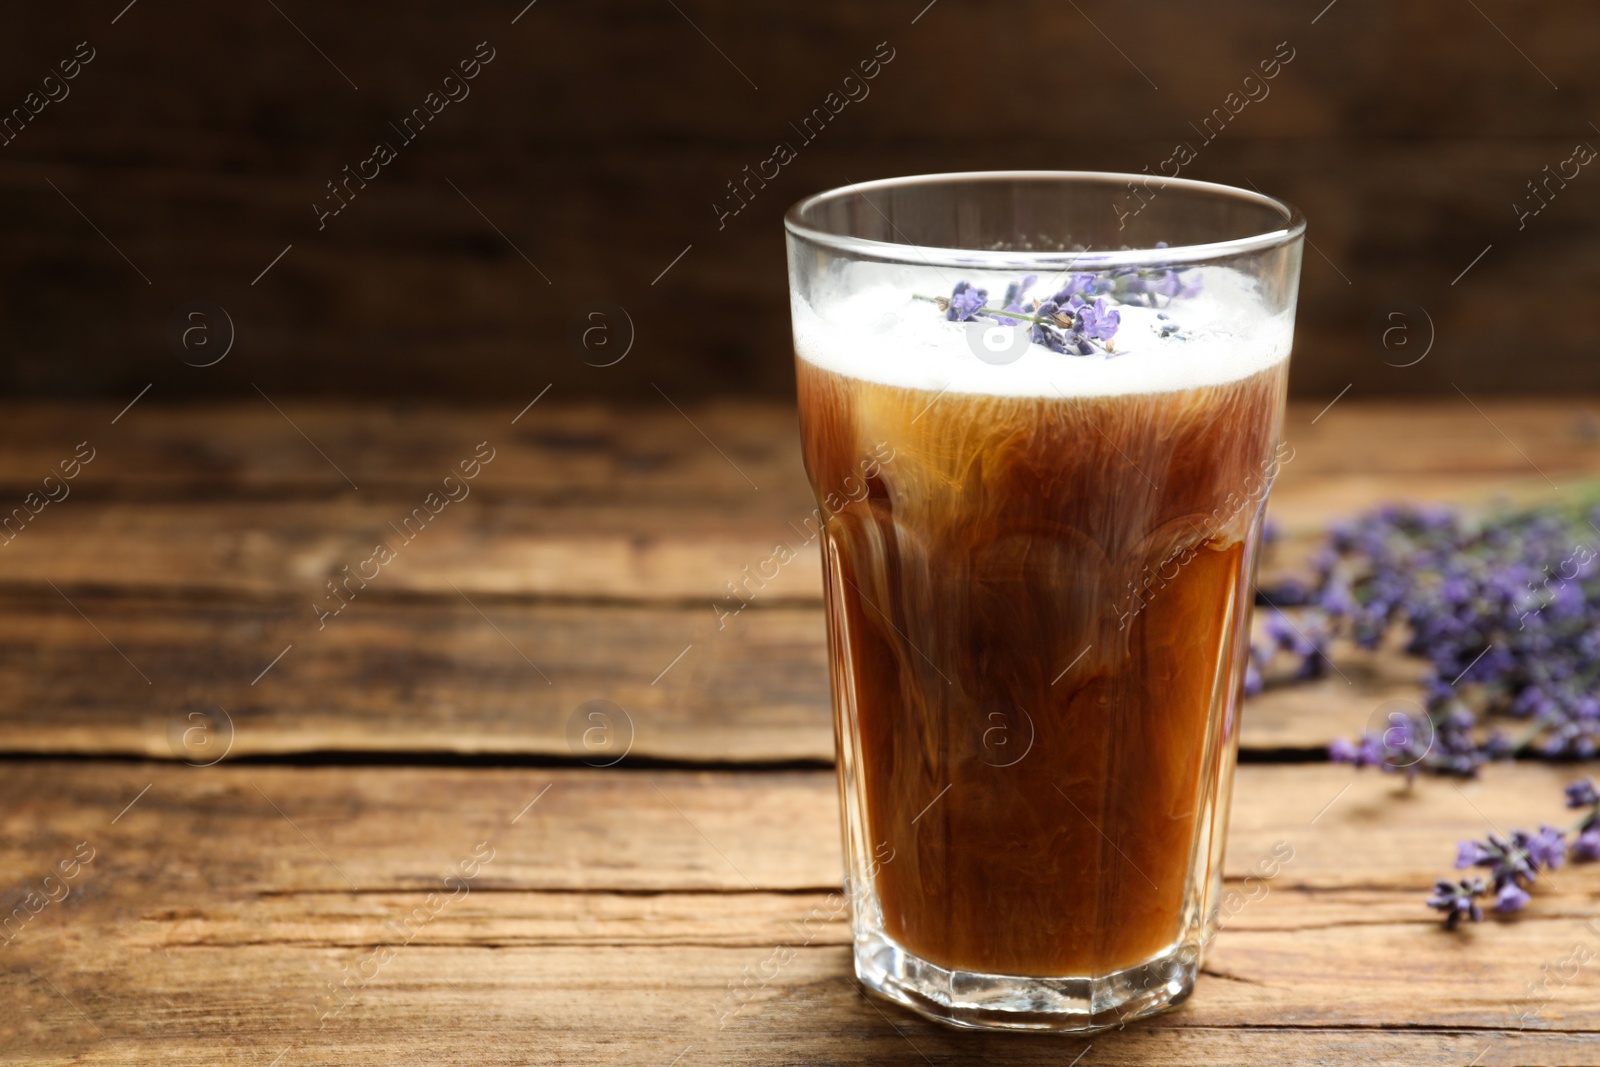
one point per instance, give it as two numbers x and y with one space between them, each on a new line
1017 1002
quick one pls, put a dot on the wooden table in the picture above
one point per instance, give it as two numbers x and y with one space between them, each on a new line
398 852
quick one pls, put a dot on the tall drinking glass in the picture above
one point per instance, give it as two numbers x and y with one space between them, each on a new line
1040 412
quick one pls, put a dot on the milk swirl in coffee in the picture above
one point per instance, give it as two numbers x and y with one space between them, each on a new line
993 588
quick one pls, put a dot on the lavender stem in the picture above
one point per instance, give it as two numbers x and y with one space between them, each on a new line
986 310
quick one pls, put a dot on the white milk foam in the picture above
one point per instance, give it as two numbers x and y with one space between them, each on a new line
880 333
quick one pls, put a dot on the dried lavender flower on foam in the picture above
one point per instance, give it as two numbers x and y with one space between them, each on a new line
1080 318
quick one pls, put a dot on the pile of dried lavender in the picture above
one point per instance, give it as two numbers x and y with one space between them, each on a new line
1506 611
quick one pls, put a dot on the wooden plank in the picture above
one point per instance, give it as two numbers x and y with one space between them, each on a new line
387 829
521 547
509 917
564 450
645 1006
600 526
425 676
219 904
383 828
411 676
772 830
555 450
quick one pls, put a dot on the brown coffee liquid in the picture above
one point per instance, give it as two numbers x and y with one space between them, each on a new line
1030 635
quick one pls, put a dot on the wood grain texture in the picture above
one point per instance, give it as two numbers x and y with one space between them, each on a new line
589 562
234 895
563 449
389 829
601 136
439 677
623 910
432 676
275 829
580 502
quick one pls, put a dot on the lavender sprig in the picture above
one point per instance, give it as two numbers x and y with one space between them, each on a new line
1457 899
1514 865
1065 323
1583 794
1510 863
1079 318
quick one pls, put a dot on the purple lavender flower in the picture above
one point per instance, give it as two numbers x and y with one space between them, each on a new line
1406 732
1156 287
1511 897
1368 752
1336 599
1498 746
1508 862
1077 285
1454 750
1070 324
966 301
1099 322
1458 899
1587 846
1049 336
1530 703
1546 849
1016 291
1175 284
1474 854
1304 642
1582 794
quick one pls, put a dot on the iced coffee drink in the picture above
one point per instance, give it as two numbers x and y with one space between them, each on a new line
1038 608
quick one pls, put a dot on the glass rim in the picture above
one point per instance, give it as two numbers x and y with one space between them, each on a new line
1294 225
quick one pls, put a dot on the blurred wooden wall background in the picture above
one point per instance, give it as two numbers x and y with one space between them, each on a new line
602 133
